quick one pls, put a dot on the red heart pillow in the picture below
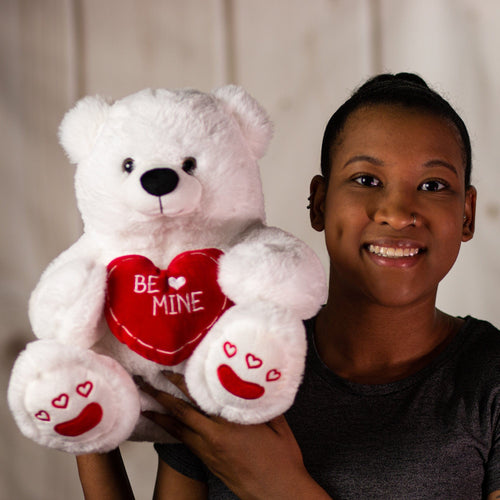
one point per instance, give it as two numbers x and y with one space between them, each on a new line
164 314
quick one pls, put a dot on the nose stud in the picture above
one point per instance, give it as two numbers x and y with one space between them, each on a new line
414 221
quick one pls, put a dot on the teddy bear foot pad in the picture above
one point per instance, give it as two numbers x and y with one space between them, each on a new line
86 403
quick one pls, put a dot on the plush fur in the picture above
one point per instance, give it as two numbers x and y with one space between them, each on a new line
160 173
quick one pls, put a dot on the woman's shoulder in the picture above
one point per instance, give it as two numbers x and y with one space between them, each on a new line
479 351
480 334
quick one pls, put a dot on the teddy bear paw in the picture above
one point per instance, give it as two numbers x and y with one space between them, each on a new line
72 399
250 365
67 303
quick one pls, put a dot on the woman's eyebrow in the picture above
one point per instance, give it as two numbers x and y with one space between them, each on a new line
441 163
364 158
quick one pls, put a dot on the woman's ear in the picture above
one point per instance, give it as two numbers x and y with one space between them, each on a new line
317 202
469 214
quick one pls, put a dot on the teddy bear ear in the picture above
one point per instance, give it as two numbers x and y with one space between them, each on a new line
252 117
80 126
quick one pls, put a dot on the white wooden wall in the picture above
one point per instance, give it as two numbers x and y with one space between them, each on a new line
300 58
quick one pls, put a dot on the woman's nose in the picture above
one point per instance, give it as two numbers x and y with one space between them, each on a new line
395 208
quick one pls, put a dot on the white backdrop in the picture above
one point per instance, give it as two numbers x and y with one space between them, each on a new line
300 58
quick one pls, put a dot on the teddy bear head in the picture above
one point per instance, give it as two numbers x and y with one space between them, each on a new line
167 159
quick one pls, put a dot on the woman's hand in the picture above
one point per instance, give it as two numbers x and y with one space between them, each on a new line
254 461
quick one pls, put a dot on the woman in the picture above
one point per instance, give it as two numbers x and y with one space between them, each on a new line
399 400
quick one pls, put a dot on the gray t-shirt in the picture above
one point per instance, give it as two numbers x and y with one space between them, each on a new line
434 435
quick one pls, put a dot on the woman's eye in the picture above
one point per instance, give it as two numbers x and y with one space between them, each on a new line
368 180
432 186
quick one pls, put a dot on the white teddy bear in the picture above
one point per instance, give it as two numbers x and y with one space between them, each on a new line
175 270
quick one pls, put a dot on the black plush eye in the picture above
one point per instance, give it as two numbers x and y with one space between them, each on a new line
128 165
189 164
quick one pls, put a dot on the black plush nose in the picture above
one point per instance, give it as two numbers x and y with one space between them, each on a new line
159 181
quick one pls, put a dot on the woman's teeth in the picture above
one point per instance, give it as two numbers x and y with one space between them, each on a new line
391 252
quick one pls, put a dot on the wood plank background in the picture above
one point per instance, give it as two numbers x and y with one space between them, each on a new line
299 58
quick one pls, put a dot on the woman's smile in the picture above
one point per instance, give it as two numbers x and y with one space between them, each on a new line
392 252
402 254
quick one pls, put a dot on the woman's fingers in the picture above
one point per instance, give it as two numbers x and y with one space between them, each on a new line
181 419
280 426
176 407
175 378
180 382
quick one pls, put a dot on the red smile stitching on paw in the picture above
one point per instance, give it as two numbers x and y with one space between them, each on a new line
89 417
237 386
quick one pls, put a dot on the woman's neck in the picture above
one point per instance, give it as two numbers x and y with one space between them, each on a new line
375 344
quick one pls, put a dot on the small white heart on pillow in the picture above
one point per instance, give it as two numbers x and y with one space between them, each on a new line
177 283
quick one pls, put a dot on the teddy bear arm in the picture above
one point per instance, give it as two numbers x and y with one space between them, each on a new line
68 301
273 265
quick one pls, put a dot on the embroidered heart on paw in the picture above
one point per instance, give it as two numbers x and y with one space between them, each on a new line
164 314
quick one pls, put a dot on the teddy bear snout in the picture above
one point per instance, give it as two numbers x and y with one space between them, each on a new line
160 181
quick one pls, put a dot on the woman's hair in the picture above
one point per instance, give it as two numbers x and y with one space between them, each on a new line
405 89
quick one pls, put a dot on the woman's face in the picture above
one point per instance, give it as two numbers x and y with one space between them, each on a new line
395 210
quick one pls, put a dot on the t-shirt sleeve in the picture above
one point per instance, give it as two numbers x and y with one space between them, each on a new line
492 469
179 457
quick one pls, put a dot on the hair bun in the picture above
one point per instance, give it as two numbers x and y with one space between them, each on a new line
388 81
412 78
